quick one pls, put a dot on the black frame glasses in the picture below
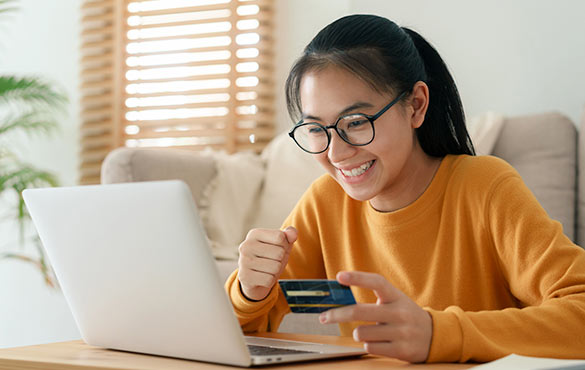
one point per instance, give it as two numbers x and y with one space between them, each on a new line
343 135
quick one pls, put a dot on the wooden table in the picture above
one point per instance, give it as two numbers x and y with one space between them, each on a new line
76 355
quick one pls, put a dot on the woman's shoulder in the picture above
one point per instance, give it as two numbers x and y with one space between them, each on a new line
476 182
483 168
477 174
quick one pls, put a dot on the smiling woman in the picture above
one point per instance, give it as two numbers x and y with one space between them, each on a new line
364 169
185 73
449 255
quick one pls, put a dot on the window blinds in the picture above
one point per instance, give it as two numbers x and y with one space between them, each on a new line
184 73
100 42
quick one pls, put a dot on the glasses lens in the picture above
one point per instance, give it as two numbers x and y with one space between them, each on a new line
311 137
356 129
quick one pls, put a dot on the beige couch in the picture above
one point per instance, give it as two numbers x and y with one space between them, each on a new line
238 192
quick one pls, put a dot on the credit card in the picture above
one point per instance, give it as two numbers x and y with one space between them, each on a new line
315 296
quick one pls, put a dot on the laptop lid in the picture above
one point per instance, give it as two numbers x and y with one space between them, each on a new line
137 272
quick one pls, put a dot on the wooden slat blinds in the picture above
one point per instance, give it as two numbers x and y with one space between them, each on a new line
185 73
98 44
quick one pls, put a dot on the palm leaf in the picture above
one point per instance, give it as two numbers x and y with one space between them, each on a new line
29 104
18 179
30 177
6 156
31 91
5 6
25 176
44 265
30 122
40 263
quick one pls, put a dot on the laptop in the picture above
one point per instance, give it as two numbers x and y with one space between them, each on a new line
137 272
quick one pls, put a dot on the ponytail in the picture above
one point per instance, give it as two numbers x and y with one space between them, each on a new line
445 106
390 59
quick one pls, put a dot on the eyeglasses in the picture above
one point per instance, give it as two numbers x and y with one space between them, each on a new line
355 129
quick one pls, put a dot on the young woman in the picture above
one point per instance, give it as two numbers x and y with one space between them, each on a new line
449 255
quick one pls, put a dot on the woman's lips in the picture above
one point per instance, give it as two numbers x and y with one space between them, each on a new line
356 173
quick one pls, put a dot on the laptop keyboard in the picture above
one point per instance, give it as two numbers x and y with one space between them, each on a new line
267 351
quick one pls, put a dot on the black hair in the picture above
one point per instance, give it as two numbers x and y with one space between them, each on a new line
389 58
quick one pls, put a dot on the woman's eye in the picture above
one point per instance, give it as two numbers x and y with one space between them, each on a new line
356 123
315 130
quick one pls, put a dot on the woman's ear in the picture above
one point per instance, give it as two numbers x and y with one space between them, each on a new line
419 100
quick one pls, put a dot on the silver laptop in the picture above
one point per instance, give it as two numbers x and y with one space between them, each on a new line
137 272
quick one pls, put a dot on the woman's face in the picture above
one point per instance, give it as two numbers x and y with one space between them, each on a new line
383 170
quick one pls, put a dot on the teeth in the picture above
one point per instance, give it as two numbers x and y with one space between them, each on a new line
358 170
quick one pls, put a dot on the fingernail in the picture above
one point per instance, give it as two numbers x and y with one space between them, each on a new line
323 318
342 275
355 336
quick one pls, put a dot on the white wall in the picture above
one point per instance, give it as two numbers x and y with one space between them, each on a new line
41 39
512 57
297 22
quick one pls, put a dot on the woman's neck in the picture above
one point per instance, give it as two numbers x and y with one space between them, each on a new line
416 177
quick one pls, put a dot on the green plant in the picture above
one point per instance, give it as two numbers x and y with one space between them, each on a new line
31 105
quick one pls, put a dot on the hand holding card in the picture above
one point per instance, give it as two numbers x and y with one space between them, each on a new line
315 296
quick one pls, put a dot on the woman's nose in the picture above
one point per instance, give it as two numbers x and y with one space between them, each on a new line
339 150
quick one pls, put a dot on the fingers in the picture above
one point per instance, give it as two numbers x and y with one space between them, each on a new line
382 333
263 256
357 312
259 249
260 279
368 312
265 243
402 328
385 292
270 236
399 350
291 234
265 265
403 341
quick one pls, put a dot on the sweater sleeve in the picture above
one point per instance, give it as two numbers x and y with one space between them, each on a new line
545 272
261 316
305 262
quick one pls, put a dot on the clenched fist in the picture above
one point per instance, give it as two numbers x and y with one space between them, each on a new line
263 257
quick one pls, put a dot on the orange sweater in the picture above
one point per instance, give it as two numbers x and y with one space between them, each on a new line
476 250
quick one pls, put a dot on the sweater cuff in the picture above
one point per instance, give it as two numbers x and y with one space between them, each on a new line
447 341
242 305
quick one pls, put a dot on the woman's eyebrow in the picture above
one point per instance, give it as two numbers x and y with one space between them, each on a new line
352 107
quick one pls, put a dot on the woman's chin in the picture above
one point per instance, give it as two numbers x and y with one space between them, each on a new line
356 194
358 191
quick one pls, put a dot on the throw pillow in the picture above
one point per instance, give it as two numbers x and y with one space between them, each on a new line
289 172
227 200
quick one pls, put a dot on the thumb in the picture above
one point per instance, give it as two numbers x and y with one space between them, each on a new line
291 234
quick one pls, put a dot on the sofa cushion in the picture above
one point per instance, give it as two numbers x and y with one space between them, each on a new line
289 172
228 200
251 191
154 164
484 131
580 229
543 149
